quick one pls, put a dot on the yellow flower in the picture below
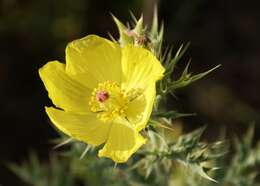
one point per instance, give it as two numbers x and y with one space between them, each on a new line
105 94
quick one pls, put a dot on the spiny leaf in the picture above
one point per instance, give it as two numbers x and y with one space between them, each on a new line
172 114
200 170
124 38
154 28
139 27
186 78
156 35
170 66
201 75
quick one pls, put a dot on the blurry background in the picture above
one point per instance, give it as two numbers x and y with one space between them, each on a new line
34 32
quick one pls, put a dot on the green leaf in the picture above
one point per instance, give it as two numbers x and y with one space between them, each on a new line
139 27
156 36
198 169
172 114
170 64
186 78
154 28
124 38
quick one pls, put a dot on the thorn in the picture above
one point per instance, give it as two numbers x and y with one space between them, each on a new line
111 37
115 165
166 127
62 143
85 152
133 16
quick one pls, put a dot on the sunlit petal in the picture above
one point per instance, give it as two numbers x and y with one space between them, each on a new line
65 92
140 67
94 59
122 142
83 127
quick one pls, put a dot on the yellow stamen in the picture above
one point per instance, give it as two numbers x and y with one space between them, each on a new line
108 100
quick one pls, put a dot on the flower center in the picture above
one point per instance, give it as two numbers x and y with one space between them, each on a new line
102 96
108 100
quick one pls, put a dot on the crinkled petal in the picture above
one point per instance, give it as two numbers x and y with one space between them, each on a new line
140 67
122 142
65 92
94 59
149 94
140 109
83 127
135 109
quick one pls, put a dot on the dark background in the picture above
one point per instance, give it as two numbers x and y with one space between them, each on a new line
33 32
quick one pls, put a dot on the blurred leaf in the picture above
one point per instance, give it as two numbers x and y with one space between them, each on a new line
172 114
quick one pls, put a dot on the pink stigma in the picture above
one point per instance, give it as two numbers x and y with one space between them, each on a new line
102 96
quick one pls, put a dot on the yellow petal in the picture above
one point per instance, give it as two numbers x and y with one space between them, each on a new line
135 109
140 109
65 92
94 59
149 94
140 67
122 142
83 127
